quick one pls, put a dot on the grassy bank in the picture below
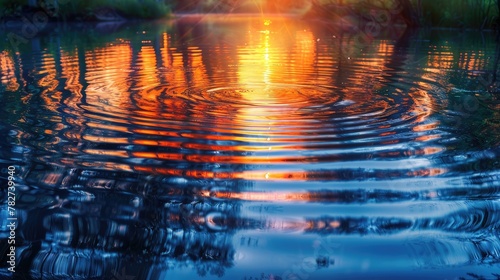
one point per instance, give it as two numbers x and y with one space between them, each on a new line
472 14
87 10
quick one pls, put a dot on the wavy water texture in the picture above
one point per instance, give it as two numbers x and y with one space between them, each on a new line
236 145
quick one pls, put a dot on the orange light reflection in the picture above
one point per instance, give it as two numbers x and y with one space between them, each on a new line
8 76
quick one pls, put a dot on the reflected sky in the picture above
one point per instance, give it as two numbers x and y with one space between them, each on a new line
238 147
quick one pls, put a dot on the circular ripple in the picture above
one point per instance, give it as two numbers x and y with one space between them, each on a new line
296 130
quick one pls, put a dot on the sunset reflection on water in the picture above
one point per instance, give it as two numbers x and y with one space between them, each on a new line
229 143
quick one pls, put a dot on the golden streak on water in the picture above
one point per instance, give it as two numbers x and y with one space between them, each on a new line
269 98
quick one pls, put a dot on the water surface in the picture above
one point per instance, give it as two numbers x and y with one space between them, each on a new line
252 148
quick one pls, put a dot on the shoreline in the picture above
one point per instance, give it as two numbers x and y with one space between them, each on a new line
14 22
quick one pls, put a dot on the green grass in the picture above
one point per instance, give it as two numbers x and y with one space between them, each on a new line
87 9
476 14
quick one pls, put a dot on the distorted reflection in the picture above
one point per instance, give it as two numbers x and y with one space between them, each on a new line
9 80
212 145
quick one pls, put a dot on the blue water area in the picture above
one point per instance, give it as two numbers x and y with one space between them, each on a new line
249 147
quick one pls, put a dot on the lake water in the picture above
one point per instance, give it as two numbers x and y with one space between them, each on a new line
230 147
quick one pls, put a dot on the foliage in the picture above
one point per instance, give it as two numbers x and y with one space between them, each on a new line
458 13
477 14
